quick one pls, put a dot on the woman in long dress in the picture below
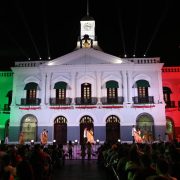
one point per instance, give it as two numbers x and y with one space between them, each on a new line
137 136
44 137
90 136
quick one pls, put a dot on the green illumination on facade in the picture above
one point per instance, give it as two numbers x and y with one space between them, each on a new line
6 83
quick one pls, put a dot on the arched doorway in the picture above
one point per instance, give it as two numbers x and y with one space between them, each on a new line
29 127
170 128
112 128
60 130
85 122
146 124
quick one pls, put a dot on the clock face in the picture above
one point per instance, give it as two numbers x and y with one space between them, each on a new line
87 26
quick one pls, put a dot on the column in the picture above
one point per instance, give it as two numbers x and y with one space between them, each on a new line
48 88
129 81
73 87
98 86
161 98
43 88
124 86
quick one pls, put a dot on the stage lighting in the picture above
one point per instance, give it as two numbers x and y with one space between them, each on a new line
76 142
32 142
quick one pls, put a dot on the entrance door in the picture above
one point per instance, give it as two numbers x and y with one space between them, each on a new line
85 122
60 130
29 127
112 128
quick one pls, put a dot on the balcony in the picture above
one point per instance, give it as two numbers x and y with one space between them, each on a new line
85 101
143 100
117 100
30 102
55 101
170 104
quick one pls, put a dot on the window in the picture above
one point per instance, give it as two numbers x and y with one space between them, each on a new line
31 92
112 95
60 92
86 93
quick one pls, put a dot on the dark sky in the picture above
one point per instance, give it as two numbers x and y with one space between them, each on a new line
42 28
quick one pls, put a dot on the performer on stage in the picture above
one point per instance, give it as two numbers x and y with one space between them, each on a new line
90 136
137 136
44 137
85 135
21 138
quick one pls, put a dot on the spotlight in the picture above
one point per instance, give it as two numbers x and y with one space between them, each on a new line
49 57
32 142
144 55
134 55
76 142
125 55
119 140
97 141
54 141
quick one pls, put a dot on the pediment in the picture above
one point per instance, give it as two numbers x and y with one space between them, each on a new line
86 56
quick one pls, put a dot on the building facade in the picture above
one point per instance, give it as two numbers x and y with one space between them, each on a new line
89 88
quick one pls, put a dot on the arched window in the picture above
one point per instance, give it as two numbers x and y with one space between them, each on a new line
112 95
60 88
142 92
85 93
31 93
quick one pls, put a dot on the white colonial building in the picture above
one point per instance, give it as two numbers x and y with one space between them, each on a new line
87 88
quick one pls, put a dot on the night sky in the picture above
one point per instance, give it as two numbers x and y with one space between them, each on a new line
43 28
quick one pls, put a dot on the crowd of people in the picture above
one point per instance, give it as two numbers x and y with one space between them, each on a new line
138 161
123 161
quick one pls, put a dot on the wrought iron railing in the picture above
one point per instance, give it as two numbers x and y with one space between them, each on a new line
143 100
116 100
86 101
33 102
56 101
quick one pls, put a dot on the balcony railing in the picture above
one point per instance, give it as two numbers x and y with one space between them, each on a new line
143 100
170 104
117 100
33 102
55 101
85 101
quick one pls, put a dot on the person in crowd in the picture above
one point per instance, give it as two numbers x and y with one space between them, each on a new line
70 149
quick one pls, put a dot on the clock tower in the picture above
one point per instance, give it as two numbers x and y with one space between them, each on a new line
87 37
87 25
